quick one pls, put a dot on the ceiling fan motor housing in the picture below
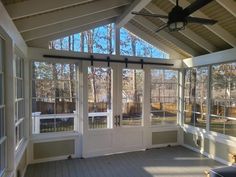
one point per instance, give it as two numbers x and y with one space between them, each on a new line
176 19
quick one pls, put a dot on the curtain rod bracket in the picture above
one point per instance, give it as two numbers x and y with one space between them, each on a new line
126 62
91 60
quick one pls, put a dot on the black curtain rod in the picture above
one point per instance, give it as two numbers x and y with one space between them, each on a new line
92 59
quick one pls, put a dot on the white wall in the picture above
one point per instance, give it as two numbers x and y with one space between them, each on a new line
14 44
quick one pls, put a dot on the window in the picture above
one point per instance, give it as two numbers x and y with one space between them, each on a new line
164 96
195 96
132 45
53 97
132 97
3 137
223 102
98 40
19 101
102 40
99 97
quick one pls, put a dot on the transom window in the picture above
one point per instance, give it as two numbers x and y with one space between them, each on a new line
102 40
53 97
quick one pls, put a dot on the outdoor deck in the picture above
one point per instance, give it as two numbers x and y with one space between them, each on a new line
163 162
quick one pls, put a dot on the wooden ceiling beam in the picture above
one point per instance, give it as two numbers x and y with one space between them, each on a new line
67 25
34 7
137 5
44 42
51 18
229 5
149 38
152 27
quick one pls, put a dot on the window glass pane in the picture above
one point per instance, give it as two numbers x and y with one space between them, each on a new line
195 92
99 97
54 97
65 105
2 157
43 70
20 88
2 123
65 88
44 89
164 96
44 106
132 97
53 123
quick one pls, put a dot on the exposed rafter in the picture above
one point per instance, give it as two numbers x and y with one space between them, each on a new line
229 5
43 42
137 5
152 8
34 7
67 25
153 41
216 29
39 21
152 27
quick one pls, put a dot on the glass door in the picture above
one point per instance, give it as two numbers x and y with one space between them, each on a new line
99 98
132 97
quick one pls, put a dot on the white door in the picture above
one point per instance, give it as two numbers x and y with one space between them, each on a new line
114 119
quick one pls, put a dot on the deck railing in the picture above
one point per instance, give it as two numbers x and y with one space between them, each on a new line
45 123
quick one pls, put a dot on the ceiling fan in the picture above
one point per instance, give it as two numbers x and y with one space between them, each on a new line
178 18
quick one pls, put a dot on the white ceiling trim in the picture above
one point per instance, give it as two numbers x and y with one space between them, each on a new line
137 5
59 16
149 38
34 7
216 29
67 25
152 27
152 8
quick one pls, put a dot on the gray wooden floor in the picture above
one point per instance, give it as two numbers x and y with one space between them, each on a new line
163 162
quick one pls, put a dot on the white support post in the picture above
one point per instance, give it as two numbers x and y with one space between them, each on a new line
180 115
83 86
208 117
10 105
146 107
117 45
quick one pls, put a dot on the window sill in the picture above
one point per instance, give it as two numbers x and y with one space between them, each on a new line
20 151
54 136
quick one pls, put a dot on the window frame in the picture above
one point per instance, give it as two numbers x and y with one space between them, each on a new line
46 135
20 118
3 139
177 96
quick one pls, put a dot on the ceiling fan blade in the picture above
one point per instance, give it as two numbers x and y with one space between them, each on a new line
201 20
161 27
195 6
149 14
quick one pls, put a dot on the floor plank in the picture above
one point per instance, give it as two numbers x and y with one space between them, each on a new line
162 162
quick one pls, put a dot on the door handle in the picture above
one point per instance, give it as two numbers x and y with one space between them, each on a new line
118 120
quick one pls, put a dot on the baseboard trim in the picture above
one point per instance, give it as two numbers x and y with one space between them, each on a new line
207 155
